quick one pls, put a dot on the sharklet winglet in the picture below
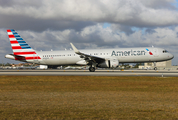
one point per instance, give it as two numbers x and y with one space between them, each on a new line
74 48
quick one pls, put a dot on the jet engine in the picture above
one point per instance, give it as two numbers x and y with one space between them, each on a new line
112 63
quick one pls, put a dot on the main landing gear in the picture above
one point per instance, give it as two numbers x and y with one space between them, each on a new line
92 66
92 69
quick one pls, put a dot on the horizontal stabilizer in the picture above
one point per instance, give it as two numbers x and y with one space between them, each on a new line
14 57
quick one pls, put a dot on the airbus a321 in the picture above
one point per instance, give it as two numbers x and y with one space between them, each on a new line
103 58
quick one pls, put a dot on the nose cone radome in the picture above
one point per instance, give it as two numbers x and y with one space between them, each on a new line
171 56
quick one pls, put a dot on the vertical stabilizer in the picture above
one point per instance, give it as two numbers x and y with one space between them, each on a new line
21 50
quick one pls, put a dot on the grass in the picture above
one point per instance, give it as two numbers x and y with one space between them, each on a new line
88 97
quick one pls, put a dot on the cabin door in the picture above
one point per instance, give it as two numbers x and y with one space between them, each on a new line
155 52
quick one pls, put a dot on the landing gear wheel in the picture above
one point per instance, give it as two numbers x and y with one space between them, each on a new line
92 69
155 68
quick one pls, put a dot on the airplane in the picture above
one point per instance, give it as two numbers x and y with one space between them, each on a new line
103 58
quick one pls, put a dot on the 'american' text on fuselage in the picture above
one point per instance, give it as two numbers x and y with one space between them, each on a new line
128 53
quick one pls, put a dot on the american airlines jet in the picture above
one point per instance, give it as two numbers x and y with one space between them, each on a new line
103 58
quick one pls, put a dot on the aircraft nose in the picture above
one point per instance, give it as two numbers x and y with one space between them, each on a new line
171 56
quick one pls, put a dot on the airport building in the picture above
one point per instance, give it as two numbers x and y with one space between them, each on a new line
165 65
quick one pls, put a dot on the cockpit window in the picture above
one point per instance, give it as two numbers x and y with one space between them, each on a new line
165 51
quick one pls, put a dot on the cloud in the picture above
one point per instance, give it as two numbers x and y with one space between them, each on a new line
64 14
159 4
96 34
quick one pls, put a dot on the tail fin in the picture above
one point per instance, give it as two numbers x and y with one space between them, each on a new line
21 50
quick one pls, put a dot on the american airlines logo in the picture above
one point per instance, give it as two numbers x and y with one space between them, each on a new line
149 51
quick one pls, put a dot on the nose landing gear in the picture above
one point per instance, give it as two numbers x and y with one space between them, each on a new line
155 68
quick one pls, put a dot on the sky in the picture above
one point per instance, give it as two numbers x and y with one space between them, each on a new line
90 24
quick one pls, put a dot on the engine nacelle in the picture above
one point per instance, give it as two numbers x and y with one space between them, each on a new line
104 64
112 63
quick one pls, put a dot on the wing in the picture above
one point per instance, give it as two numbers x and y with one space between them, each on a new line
88 58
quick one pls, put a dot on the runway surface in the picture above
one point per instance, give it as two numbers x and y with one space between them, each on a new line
159 73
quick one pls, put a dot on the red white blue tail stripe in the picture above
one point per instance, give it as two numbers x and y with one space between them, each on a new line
21 49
